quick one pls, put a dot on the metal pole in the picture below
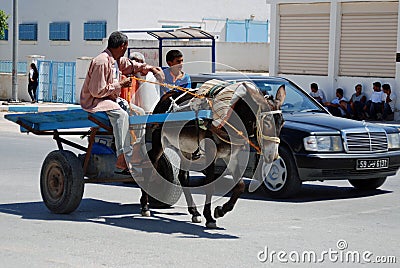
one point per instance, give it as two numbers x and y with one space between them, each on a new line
14 90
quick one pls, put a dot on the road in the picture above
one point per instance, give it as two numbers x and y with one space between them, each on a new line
108 231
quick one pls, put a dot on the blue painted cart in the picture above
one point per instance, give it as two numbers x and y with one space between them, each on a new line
64 174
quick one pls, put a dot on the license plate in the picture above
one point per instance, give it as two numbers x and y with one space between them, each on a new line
372 163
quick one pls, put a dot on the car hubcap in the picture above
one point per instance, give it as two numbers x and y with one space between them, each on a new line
276 177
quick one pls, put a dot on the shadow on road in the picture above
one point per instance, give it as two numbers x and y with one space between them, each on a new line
118 215
308 193
314 193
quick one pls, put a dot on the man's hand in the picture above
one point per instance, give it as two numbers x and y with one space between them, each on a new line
158 73
126 82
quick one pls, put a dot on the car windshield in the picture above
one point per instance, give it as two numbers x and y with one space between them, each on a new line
296 100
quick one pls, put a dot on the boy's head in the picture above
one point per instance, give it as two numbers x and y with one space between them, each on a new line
174 57
314 87
339 92
386 88
376 86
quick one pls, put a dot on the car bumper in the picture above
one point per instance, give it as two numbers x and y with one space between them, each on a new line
343 166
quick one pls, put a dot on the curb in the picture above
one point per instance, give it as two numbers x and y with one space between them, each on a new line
37 108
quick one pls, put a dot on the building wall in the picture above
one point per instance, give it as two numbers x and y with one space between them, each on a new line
43 12
120 15
331 79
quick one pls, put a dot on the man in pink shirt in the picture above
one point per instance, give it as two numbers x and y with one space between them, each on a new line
102 87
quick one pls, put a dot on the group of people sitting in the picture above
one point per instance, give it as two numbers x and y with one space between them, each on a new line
380 105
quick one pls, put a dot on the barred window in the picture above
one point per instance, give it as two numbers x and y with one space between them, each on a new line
94 30
59 31
5 36
28 32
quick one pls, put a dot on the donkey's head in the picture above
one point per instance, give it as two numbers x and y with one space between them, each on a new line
269 120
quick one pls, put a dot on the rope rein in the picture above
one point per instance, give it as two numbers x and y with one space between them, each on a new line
260 135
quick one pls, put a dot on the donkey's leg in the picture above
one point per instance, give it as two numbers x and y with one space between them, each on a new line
184 180
237 190
154 155
144 199
209 188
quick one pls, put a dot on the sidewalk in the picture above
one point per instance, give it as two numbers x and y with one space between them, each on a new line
27 107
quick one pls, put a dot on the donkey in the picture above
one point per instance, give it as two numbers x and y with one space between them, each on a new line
240 112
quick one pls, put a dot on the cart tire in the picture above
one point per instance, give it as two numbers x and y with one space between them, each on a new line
169 193
61 182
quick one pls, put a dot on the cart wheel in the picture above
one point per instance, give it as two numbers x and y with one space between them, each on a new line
61 182
165 195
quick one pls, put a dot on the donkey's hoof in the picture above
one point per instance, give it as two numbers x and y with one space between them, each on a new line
146 213
211 225
196 219
218 212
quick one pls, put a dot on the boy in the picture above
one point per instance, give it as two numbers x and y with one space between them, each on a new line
338 106
174 74
390 102
374 106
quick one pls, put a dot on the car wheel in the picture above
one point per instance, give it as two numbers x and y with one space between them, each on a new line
282 180
368 184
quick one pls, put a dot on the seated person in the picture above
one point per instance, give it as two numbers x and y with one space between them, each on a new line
357 103
102 87
374 107
317 94
174 74
390 102
338 106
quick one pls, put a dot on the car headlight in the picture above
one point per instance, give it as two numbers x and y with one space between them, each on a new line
323 143
393 140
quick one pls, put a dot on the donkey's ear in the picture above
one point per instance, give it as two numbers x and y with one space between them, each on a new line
280 96
254 93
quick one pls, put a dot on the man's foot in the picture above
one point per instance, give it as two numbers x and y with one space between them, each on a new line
121 163
125 171
137 158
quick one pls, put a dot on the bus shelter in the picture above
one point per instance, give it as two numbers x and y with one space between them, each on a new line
178 34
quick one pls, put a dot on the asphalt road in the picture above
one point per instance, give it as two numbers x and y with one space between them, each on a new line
331 220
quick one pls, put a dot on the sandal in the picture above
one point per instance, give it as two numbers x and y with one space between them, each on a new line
121 171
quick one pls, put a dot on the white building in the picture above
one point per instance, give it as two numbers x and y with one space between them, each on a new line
68 29
336 43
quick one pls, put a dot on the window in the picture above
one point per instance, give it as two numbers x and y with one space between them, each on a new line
94 30
5 36
246 31
28 32
59 31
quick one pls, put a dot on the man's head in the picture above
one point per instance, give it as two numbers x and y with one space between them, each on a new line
376 86
138 57
339 92
386 88
174 58
314 87
117 44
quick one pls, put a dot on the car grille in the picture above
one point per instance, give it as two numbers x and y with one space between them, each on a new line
370 141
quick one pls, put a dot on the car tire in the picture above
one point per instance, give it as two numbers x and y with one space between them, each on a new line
61 182
368 184
282 180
